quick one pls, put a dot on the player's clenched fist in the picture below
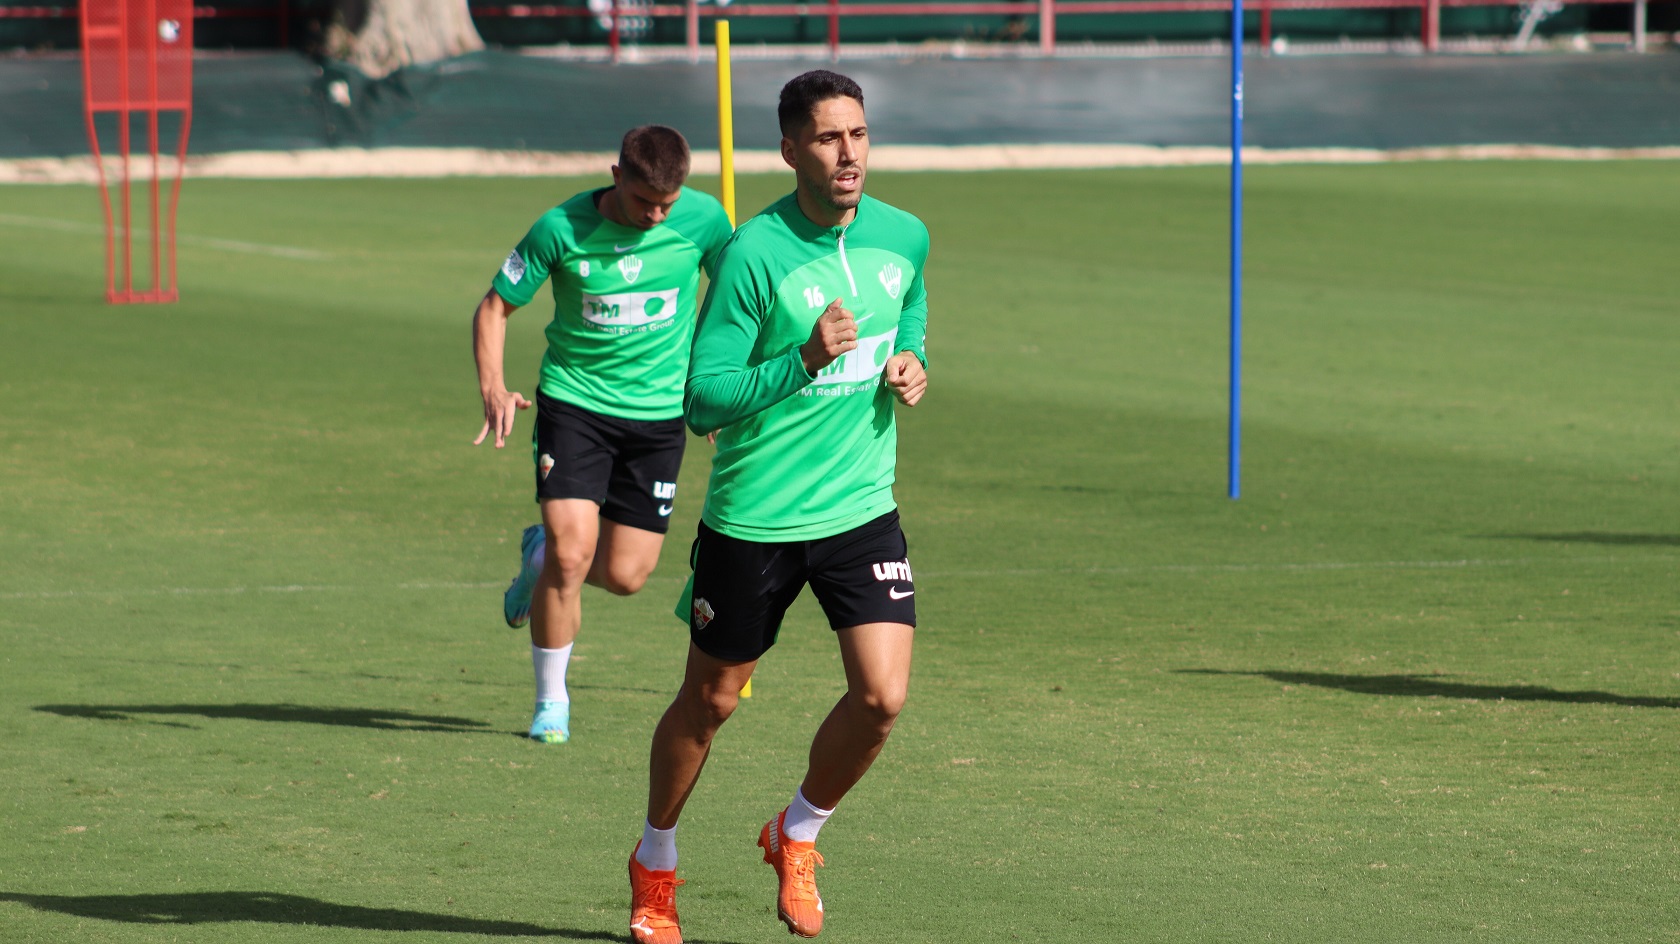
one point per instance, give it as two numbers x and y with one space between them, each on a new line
905 377
834 334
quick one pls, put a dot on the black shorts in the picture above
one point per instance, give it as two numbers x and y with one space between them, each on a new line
743 588
628 467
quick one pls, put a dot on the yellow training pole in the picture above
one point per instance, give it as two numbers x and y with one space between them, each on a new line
726 121
726 154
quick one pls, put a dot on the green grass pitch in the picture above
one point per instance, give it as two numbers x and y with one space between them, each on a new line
1419 684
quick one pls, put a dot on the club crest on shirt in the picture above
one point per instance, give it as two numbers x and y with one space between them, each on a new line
891 278
631 266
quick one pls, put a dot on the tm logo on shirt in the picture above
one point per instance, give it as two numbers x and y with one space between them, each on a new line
860 367
630 309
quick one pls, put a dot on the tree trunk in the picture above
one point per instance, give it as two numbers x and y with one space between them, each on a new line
381 36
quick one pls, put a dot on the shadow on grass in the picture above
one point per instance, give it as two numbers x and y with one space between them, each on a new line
380 718
223 907
1623 538
1436 686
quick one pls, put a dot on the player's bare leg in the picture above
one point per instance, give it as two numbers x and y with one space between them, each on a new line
683 739
624 557
578 547
877 660
710 691
571 526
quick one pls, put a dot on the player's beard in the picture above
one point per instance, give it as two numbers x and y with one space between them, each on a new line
831 196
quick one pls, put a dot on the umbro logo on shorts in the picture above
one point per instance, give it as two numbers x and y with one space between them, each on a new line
893 570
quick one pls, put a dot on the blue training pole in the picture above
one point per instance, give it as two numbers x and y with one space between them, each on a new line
1234 456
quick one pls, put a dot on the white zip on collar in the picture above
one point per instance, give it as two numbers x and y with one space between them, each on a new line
847 265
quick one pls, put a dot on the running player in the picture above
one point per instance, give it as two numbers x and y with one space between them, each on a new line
812 330
625 263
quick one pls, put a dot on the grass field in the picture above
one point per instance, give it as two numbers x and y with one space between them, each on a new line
1419 684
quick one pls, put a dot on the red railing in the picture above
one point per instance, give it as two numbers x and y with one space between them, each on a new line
1046 11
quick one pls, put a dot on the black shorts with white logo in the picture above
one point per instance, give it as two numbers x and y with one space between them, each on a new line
742 589
628 467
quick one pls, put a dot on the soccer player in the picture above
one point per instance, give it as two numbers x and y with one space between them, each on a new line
625 262
812 330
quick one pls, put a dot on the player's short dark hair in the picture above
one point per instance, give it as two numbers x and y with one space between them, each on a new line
802 95
655 155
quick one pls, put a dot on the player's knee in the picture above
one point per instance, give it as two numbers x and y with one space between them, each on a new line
711 706
622 579
879 707
568 566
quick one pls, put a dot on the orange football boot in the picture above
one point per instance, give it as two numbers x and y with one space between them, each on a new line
797 902
653 905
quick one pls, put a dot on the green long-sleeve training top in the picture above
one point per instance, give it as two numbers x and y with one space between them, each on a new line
801 457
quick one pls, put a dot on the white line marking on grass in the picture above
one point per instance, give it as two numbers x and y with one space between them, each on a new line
234 591
257 249
207 242
1465 563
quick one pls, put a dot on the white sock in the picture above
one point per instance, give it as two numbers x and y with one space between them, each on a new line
803 820
658 851
550 665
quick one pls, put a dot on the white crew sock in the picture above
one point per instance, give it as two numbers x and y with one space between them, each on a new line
550 666
658 851
803 820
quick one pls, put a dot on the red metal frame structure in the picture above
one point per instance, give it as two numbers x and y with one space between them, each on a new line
137 63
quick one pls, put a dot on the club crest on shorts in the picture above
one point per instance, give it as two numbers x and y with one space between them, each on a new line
544 464
703 613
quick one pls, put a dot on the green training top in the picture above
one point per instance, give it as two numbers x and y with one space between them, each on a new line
801 457
624 301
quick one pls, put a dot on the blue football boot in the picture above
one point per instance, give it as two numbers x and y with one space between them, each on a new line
516 602
552 722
